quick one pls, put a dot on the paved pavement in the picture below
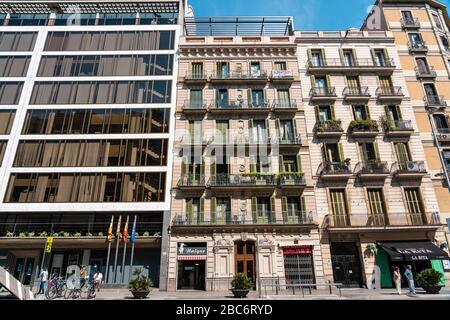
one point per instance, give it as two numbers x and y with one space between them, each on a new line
346 294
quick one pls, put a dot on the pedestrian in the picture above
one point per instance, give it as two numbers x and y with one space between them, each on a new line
398 280
83 276
98 277
410 277
43 277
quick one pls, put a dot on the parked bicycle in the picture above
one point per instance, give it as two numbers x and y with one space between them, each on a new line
56 288
85 291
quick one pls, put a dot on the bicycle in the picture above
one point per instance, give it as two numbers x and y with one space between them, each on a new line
56 288
85 291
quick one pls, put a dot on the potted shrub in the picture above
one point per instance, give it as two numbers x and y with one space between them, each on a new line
429 280
141 285
241 285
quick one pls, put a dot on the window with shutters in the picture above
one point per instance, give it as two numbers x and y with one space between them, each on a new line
402 154
195 131
348 57
317 58
194 210
294 210
386 85
414 206
437 21
289 163
221 210
380 57
339 208
377 207
286 131
368 152
360 113
263 209
195 98
197 70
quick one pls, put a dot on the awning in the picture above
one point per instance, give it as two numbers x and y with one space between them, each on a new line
413 251
191 258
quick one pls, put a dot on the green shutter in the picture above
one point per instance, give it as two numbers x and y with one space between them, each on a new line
437 265
382 262
341 152
255 207
213 207
299 163
366 108
202 209
284 207
377 151
372 52
280 164
333 114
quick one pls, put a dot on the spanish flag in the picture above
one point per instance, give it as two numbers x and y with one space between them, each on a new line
118 227
125 230
110 230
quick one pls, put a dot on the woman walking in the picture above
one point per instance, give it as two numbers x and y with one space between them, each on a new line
398 280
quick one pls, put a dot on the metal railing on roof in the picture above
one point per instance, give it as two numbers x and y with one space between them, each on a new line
238 26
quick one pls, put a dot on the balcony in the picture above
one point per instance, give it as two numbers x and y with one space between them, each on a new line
192 182
242 221
239 77
389 94
285 106
194 107
188 141
372 170
434 101
409 170
331 129
354 67
356 94
320 95
335 171
380 221
243 181
288 144
195 78
443 134
363 129
410 23
282 76
398 128
240 107
262 139
291 180
417 47
425 73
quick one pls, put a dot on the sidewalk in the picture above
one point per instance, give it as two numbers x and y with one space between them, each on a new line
347 294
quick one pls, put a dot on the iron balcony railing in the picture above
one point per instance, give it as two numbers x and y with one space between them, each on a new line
291 179
229 180
240 75
240 104
443 134
260 138
356 92
258 218
372 167
335 168
383 220
410 23
425 72
282 75
389 92
192 180
329 126
194 105
398 125
355 63
405 167
358 126
71 229
417 46
285 104
288 140
325 92
195 75
434 100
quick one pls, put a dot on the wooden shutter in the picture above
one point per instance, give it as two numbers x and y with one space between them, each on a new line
202 209
299 163
377 151
341 152
255 207
280 164
284 206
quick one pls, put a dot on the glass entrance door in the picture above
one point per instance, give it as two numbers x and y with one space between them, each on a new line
245 259
346 264
23 270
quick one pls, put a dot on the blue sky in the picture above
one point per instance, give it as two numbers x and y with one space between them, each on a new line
308 14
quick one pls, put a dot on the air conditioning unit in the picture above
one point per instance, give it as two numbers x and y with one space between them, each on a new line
413 166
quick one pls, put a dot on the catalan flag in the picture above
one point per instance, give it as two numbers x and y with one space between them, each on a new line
110 230
118 227
125 230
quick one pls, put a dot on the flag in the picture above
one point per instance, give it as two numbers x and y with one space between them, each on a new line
118 227
110 230
133 231
125 230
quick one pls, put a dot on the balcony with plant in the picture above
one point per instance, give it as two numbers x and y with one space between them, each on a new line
359 126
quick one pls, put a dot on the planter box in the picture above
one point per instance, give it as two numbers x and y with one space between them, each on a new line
140 294
240 293
429 289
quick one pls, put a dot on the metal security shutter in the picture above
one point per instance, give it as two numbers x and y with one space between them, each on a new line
299 269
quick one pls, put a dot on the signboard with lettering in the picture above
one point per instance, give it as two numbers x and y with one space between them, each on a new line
48 245
297 250
184 250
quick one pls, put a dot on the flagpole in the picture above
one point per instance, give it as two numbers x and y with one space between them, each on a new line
125 238
109 252
117 248
133 240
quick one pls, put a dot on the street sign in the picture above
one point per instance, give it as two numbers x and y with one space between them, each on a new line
48 245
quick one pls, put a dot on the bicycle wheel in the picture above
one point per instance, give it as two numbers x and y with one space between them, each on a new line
92 293
62 290
51 292
68 294
84 292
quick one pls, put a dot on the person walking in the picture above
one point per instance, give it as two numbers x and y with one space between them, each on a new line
398 280
43 277
410 277
98 277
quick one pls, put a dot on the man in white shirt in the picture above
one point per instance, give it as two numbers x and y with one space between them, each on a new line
43 277
98 277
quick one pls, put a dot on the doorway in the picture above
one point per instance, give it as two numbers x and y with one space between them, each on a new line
191 275
23 270
346 264
244 258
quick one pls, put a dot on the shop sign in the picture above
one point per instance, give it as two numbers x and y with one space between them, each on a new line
191 251
297 250
48 245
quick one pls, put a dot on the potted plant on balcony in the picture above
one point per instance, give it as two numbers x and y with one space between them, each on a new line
241 285
141 285
363 125
429 280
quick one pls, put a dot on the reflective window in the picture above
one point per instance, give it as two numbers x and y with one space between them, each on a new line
17 41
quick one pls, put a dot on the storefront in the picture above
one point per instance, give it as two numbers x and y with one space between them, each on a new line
298 265
420 255
191 264
346 264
